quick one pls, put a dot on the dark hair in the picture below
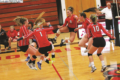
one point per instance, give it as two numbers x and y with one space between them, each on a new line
93 17
31 23
71 9
22 20
93 9
83 14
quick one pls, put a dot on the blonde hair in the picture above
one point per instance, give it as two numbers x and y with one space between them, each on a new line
38 23
93 17
20 20
11 27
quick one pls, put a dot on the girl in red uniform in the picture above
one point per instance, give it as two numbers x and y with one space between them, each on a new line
94 30
84 40
12 35
44 45
69 26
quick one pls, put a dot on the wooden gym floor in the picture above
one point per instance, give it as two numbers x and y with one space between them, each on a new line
71 63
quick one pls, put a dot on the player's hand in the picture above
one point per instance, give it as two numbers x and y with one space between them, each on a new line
75 17
48 23
59 26
113 37
76 29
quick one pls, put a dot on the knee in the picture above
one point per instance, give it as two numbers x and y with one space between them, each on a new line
89 54
99 54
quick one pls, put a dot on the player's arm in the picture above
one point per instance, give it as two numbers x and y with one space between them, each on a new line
108 34
25 37
89 31
50 27
63 24
76 29
75 17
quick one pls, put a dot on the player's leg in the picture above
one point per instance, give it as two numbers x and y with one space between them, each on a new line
90 41
83 41
63 29
70 40
34 45
91 51
9 41
99 54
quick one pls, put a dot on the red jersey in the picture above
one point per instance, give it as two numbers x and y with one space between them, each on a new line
95 30
23 32
85 24
71 22
12 34
40 36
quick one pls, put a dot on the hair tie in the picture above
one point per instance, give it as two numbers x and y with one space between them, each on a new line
69 8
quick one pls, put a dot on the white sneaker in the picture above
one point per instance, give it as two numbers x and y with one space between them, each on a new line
34 67
30 65
103 68
86 51
93 69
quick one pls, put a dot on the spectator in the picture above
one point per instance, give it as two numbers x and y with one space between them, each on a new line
108 18
12 35
30 26
3 38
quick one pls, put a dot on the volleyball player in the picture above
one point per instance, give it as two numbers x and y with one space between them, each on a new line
69 26
24 44
43 44
94 30
85 22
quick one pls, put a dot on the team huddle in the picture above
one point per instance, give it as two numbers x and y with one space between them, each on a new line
93 37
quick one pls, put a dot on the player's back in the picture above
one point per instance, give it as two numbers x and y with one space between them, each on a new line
41 38
95 30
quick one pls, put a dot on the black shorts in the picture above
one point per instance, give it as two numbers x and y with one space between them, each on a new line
45 50
99 42
71 29
24 48
109 24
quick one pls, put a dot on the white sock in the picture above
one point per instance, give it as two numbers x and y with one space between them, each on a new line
40 61
92 64
53 53
103 63
69 41
63 41
28 55
45 59
55 37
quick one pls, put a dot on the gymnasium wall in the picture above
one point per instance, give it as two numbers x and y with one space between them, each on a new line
80 5
29 9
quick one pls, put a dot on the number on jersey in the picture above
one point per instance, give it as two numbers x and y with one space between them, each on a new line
96 28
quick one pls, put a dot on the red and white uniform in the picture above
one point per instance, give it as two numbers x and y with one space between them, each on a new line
71 22
95 30
12 34
23 32
85 24
40 36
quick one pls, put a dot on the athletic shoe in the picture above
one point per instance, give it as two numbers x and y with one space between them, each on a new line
39 65
86 51
93 69
89 65
30 65
27 58
53 58
54 40
34 67
61 44
9 48
103 68
50 62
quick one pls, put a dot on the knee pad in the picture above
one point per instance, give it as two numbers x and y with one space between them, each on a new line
98 54
89 54
34 56
58 31
46 54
